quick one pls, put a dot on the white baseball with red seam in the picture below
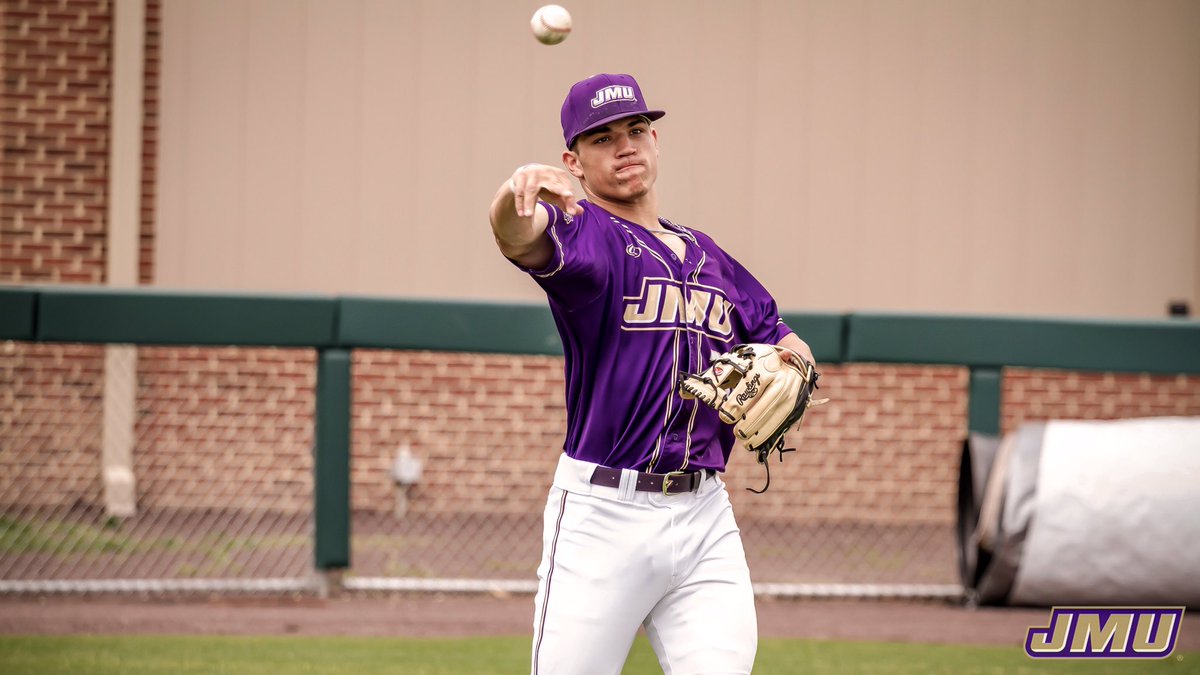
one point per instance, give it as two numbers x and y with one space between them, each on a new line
551 24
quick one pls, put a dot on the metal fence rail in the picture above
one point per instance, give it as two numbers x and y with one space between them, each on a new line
484 553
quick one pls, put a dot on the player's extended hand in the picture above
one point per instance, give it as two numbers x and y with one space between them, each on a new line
532 182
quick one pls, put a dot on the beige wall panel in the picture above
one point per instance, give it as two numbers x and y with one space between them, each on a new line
1026 156
997 150
1108 170
888 218
1058 120
390 134
944 130
776 196
273 153
331 198
202 186
835 105
1169 36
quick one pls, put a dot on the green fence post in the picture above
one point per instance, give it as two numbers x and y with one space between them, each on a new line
331 461
983 404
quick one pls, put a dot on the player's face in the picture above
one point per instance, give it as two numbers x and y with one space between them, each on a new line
618 161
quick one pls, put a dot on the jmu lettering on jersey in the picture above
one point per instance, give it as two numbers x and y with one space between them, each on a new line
664 305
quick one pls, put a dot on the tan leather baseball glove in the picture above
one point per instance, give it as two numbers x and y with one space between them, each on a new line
762 390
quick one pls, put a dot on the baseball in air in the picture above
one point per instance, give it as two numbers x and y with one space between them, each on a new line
551 24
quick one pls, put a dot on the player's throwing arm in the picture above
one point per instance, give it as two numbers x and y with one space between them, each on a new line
519 226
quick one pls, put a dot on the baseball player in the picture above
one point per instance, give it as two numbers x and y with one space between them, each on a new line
638 527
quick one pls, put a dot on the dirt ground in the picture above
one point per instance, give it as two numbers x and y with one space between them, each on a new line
455 615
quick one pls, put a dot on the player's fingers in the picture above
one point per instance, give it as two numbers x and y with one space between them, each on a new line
532 188
525 189
807 357
798 357
540 182
570 204
528 183
806 354
517 184
565 193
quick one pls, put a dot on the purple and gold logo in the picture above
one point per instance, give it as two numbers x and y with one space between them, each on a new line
1106 633
615 92
663 305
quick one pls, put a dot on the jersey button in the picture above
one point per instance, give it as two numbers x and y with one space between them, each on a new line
674 437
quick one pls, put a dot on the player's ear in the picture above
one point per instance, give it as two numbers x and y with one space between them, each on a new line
571 161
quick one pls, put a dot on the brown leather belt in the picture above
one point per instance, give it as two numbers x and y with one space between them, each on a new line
672 483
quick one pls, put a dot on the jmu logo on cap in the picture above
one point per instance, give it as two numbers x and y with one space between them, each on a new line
616 92
1106 632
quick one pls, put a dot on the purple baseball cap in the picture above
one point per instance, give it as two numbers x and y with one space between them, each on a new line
601 99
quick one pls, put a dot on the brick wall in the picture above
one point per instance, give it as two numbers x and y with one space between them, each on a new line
55 156
225 428
153 47
50 424
884 449
1031 395
54 115
55 66
486 427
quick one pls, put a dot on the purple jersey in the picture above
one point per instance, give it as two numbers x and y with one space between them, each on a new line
633 318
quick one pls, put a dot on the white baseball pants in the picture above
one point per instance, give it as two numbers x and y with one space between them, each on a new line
614 559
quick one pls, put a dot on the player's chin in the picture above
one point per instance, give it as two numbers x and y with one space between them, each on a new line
632 190
634 185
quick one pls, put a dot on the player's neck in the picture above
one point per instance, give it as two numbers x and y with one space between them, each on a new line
643 211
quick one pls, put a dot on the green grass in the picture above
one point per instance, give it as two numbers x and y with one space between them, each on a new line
55 536
138 654
65 538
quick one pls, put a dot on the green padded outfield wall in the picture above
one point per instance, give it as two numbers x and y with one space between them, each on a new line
17 313
825 333
447 326
1165 346
177 318
509 328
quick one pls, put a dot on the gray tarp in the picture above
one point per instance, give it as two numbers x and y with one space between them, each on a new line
1073 512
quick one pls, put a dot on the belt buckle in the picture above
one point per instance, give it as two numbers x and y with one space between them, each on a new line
667 480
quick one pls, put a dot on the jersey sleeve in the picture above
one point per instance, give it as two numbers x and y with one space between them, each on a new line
578 269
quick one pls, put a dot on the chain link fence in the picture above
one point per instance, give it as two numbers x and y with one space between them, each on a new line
213 494
452 454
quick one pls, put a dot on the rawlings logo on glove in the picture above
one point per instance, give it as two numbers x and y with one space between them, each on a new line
751 391
762 390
